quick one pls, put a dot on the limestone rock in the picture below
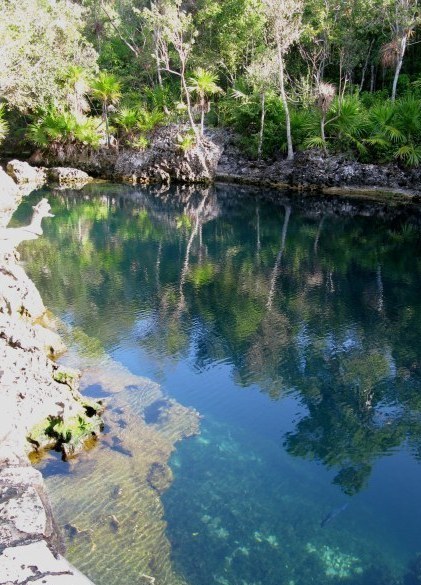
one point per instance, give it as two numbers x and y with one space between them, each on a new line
22 172
51 341
65 176
314 171
35 563
163 161
9 194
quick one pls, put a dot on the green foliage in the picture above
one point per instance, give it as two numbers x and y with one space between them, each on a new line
203 83
127 119
38 41
54 128
184 222
4 126
374 129
202 275
136 123
218 47
149 120
106 88
186 141
346 124
139 143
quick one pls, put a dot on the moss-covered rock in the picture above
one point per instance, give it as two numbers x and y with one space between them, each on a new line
68 435
67 376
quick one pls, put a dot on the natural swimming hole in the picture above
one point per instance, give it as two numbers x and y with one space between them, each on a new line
291 324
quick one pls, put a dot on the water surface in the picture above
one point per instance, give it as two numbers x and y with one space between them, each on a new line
293 326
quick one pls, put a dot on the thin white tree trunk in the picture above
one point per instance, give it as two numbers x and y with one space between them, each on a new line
398 68
322 130
202 121
189 108
290 154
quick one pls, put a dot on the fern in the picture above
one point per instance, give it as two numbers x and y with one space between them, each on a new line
315 142
409 154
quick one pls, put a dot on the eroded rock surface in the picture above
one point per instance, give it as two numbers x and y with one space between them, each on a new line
162 161
312 170
23 173
8 196
68 177
29 544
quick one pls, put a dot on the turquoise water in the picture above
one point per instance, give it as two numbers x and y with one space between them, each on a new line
293 325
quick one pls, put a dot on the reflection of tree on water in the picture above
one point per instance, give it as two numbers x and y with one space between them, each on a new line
197 226
343 335
277 266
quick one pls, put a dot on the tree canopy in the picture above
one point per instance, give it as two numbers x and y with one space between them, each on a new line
305 71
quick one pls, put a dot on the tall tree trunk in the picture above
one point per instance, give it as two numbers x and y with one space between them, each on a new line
366 65
372 78
262 127
202 122
202 116
290 155
322 130
402 48
189 108
107 129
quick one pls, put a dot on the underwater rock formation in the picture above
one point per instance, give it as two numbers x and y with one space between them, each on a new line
114 521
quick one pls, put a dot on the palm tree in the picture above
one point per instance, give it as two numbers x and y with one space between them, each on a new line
77 86
203 84
107 89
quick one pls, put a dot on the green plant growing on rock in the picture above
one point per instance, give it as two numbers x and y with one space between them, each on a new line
53 129
139 143
149 120
68 435
203 84
107 89
4 126
186 141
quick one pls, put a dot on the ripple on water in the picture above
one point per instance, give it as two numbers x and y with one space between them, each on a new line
113 516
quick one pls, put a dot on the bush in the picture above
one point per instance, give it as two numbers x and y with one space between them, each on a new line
54 128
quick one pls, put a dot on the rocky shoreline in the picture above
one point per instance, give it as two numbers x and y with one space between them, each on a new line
35 394
219 158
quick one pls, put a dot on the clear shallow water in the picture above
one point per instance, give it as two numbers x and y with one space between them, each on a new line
294 329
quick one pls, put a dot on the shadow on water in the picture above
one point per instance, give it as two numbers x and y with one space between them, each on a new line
293 324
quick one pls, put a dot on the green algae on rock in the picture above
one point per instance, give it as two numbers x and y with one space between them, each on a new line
68 435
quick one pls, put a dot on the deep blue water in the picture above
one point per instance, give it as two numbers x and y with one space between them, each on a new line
293 325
